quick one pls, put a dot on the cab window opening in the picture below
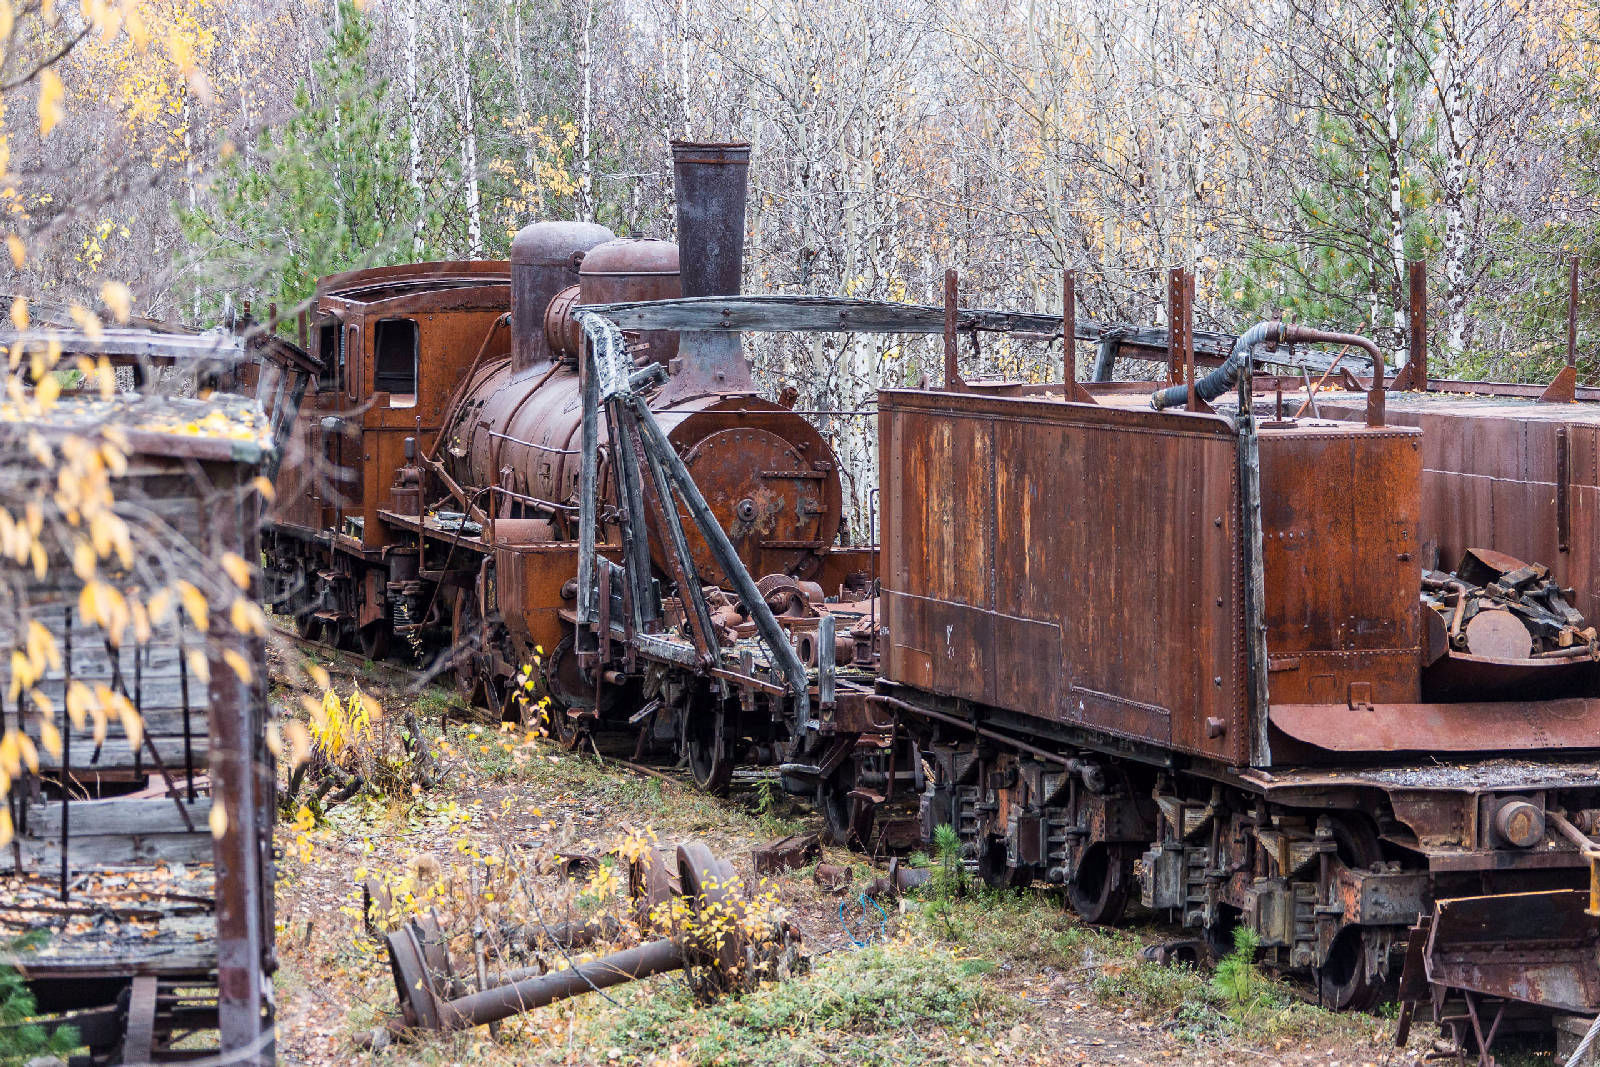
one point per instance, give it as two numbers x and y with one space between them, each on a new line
394 361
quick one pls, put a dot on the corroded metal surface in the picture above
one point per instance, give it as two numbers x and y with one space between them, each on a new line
1018 534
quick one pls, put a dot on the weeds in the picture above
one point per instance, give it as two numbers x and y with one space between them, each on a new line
843 1010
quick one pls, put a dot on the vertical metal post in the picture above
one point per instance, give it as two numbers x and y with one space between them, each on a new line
234 785
1186 333
825 664
1069 327
1072 389
587 502
66 752
952 369
1174 297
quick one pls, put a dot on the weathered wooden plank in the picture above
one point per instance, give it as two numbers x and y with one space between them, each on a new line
837 314
95 850
147 815
115 755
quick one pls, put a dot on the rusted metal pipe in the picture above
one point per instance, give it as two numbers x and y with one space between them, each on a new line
502 1002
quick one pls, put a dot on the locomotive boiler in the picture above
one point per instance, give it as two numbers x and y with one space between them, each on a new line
431 502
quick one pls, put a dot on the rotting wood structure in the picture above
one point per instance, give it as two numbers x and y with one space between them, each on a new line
155 930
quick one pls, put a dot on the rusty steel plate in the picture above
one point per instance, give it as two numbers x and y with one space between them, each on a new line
1044 557
1523 726
1536 947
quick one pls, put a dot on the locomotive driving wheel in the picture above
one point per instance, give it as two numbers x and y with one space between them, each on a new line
471 661
710 765
1099 887
571 703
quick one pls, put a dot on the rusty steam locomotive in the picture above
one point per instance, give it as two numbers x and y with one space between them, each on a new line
429 505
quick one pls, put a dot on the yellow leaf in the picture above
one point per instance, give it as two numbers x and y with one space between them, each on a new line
51 737
262 483
7 831
219 818
319 677
11 753
194 602
132 722
18 250
274 740
43 705
238 664
19 306
47 392
199 666
83 560
51 93
237 569
247 618
30 755
160 606
79 701
6 19
299 742
119 299
42 645
41 562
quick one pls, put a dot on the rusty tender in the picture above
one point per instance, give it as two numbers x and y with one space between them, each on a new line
1221 651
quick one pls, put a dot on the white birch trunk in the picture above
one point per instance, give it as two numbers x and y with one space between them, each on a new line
413 122
469 143
586 120
1397 235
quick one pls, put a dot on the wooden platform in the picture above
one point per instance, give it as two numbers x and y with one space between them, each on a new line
120 921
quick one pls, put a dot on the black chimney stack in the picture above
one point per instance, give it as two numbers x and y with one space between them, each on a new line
709 184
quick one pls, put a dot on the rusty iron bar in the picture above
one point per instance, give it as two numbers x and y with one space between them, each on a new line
1069 331
952 369
1414 375
66 756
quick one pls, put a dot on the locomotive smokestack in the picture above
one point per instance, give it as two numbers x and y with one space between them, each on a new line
709 182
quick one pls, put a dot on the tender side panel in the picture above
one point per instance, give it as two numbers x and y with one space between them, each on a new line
1513 476
1340 511
1076 563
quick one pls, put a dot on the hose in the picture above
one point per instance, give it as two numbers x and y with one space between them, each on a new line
1220 380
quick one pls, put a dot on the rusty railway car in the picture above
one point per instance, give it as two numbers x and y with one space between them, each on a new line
1329 676
141 848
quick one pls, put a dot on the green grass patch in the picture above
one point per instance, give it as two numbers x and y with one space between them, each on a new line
871 1007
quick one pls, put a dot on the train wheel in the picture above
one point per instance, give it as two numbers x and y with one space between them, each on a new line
308 626
838 808
467 656
374 640
570 694
1344 981
1099 889
709 762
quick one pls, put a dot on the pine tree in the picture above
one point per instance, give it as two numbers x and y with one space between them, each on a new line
1331 260
329 193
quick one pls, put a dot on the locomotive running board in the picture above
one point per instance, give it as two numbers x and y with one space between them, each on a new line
1539 948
